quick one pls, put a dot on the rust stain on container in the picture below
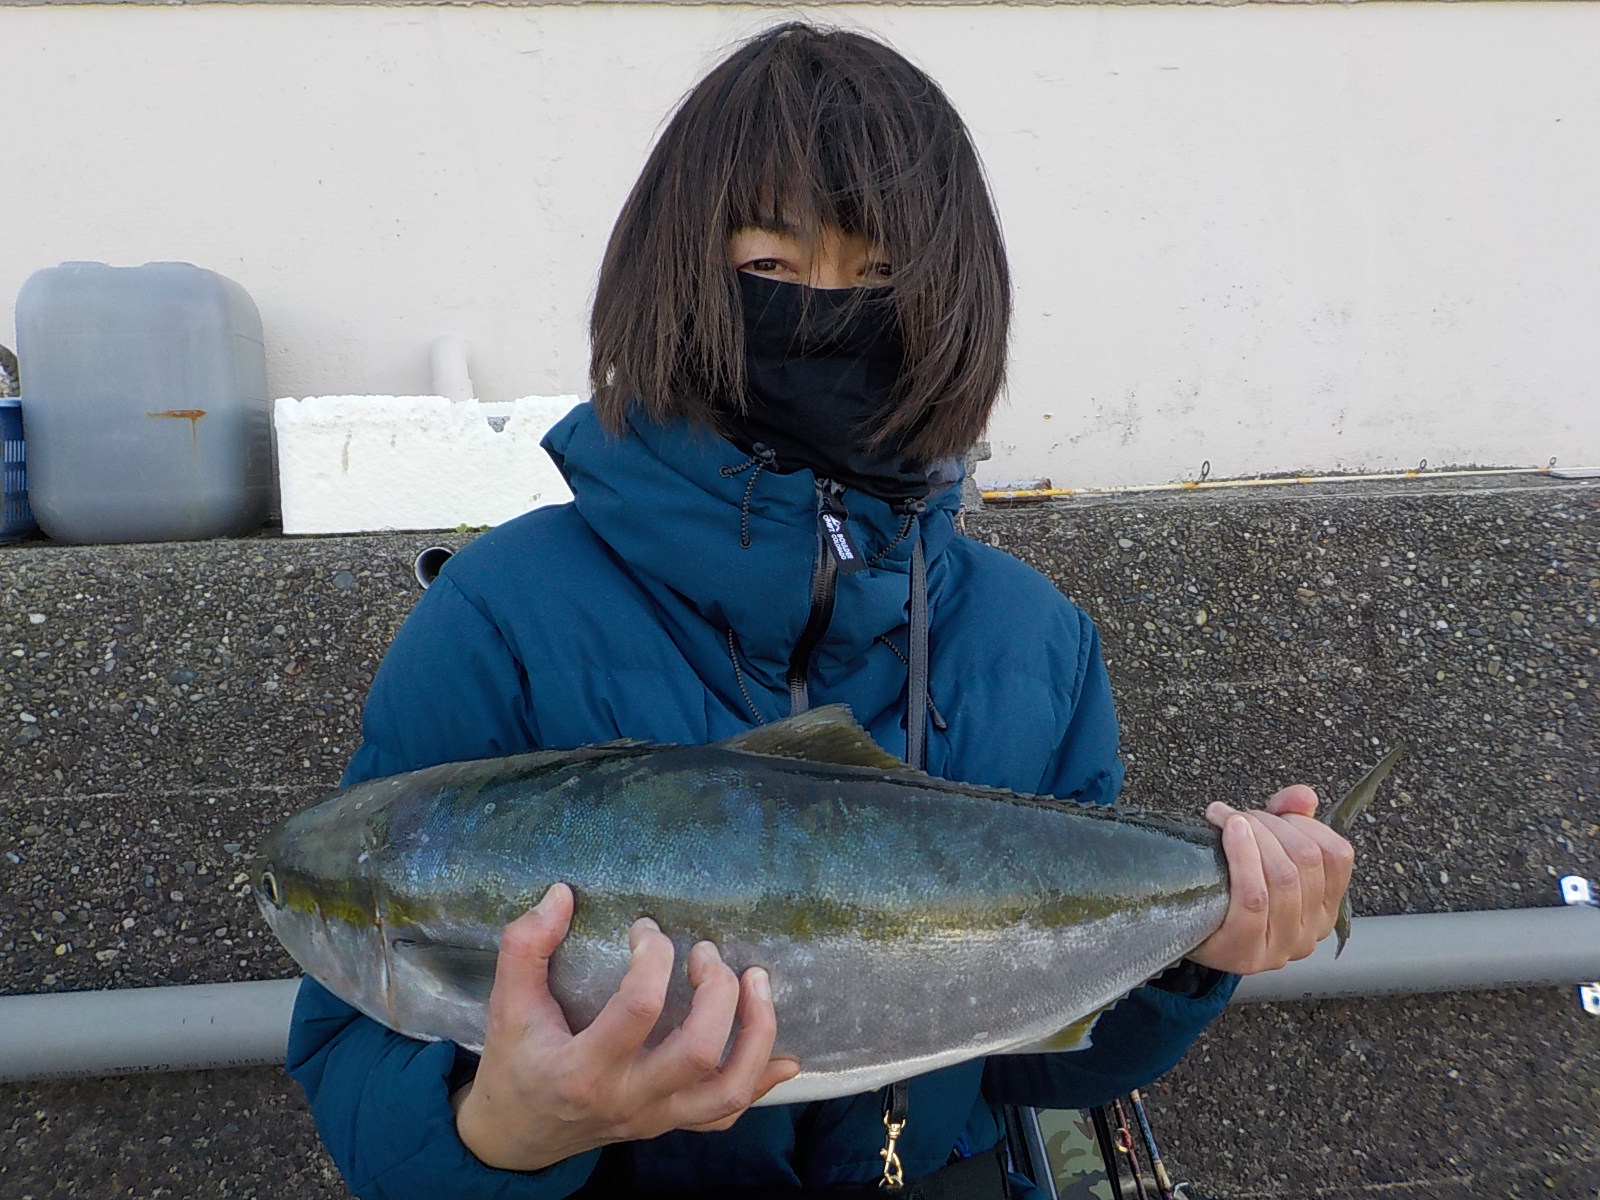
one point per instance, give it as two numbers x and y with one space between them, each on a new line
191 415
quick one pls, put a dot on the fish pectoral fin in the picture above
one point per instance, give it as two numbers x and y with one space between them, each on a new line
467 970
828 734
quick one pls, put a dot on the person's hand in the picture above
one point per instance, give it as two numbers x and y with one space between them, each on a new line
1288 872
544 1093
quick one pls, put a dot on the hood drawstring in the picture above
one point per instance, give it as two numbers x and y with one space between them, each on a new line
762 459
917 670
910 510
919 703
738 675
934 715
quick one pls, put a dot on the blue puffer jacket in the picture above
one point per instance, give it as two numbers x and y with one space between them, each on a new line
665 604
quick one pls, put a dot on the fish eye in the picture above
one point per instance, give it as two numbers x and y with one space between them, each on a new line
270 889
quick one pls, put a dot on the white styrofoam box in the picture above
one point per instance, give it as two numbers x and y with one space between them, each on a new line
351 464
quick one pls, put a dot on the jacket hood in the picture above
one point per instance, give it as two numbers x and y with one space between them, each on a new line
674 502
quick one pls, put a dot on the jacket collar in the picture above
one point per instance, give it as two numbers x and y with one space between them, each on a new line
671 502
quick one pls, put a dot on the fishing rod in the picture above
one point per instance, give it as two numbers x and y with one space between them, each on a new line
1126 1146
1159 1168
1206 483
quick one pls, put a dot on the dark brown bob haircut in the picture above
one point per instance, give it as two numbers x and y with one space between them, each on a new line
799 129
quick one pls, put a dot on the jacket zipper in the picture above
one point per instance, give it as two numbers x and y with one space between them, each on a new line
835 553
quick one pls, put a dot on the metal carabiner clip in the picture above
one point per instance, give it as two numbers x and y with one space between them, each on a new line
894 1174
894 1124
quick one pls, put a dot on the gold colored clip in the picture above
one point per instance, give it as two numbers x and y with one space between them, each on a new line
894 1175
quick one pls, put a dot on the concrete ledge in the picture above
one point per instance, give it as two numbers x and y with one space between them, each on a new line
184 697
817 4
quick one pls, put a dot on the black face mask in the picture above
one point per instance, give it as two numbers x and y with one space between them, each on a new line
820 365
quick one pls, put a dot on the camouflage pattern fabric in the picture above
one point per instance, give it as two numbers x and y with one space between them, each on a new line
1074 1155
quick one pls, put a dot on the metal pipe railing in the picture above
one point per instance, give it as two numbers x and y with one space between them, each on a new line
202 1026
1443 952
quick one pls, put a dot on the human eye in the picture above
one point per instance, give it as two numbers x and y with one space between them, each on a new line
763 252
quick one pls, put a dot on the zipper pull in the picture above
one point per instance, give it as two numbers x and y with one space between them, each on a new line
831 518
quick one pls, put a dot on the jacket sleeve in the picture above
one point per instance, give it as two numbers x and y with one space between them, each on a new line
1145 1034
449 690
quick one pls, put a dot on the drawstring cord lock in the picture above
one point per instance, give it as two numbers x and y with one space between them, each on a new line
762 458
910 510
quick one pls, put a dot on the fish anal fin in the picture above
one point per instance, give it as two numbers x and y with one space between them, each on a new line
829 734
465 970
1076 1036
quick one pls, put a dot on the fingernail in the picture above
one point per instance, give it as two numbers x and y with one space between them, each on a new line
636 934
759 983
708 947
547 901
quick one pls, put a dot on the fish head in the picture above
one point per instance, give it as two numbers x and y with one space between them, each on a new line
314 880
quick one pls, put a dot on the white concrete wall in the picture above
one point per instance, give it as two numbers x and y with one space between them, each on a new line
1275 237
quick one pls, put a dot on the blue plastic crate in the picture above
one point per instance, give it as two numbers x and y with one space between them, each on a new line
16 518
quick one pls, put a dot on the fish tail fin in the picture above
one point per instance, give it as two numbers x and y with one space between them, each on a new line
1340 818
1342 814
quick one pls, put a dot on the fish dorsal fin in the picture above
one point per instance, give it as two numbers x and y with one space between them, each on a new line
823 735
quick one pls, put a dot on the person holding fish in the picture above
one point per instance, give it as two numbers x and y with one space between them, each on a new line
800 326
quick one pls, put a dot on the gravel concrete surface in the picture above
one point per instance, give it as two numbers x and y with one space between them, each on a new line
161 706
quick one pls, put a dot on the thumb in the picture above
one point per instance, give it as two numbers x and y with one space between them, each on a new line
1295 801
521 993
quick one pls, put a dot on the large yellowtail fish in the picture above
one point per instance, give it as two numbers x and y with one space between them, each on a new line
907 922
